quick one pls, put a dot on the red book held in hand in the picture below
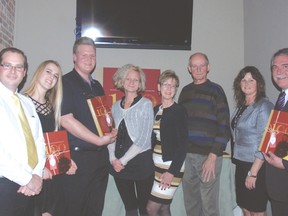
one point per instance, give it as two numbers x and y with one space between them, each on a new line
58 158
275 137
101 114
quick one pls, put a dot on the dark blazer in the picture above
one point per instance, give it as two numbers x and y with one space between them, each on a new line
174 136
277 179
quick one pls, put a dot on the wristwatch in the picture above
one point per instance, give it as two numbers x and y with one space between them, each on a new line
250 174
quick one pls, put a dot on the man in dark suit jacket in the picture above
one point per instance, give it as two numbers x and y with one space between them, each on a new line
277 168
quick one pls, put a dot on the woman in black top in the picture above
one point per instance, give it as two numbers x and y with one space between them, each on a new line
45 91
170 136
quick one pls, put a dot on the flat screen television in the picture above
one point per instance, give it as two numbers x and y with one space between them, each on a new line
140 24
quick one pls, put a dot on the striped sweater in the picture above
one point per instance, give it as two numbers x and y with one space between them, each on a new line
208 117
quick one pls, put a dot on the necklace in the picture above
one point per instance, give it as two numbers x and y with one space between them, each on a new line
238 115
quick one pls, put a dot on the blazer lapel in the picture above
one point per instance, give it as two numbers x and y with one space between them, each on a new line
285 108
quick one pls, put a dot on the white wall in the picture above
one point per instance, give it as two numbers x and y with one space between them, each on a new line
45 29
265 32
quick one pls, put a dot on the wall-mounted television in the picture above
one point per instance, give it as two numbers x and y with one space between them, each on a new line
140 24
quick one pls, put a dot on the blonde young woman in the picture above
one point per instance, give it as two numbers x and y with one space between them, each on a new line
45 91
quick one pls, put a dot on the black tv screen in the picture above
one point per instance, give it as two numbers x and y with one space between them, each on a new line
141 24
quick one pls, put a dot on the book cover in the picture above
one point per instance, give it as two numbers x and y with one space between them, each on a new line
275 137
101 114
58 158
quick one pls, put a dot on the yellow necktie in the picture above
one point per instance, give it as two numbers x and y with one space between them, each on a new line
31 148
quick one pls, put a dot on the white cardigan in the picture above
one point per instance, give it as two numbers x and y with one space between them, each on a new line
139 122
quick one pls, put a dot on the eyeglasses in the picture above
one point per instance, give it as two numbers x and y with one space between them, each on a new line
167 85
18 68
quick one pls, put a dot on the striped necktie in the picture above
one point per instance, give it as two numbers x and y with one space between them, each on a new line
31 148
281 100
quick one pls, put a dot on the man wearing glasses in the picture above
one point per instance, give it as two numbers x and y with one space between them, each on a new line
209 132
22 147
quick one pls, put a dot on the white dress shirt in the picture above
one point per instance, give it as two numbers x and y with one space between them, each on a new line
286 96
13 151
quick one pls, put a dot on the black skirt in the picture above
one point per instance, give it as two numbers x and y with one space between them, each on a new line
254 200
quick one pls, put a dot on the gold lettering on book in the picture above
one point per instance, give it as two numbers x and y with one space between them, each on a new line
101 111
55 148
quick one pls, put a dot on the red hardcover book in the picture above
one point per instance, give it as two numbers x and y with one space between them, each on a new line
275 137
58 158
101 114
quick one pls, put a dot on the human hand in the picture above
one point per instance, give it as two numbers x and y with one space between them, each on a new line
274 160
73 168
250 182
47 174
117 165
26 191
209 167
166 180
33 187
109 137
114 132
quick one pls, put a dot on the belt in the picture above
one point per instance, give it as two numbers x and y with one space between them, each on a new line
77 148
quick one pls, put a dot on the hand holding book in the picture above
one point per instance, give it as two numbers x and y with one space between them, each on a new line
101 114
57 152
73 168
275 138
108 138
274 160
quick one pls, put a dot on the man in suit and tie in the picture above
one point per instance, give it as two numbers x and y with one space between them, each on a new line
277 168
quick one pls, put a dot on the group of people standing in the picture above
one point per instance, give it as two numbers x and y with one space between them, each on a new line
149 152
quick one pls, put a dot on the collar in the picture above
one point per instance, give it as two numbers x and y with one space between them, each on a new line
286 95
5 91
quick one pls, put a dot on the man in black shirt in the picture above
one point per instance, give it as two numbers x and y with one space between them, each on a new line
86 189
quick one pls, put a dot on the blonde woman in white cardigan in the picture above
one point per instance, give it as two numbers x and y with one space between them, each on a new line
131 154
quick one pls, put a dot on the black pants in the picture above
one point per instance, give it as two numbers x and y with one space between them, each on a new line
85 191
51 199
135 193
279 208
13 203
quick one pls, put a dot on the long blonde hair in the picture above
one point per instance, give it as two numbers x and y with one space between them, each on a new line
54 95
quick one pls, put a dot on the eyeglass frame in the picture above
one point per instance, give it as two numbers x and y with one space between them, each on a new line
8 66
168 85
